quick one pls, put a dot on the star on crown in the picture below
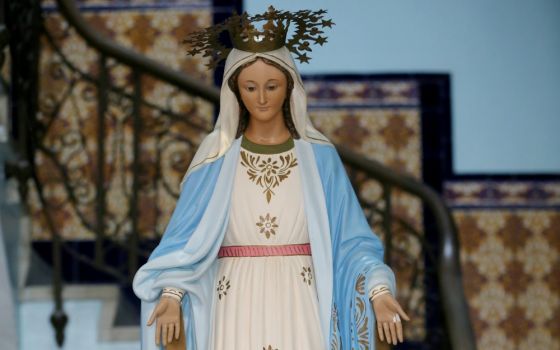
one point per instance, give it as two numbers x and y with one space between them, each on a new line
245 36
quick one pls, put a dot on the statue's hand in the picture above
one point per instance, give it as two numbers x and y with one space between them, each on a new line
166 314
389 325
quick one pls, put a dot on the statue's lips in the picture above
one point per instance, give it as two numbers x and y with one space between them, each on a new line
263 109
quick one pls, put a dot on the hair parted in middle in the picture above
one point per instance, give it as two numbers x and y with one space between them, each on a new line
244 113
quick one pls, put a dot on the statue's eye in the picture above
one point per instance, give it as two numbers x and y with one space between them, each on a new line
250 88
272 87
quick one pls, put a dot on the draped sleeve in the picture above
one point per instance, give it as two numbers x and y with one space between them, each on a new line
171 265
357 253
191 206
193 200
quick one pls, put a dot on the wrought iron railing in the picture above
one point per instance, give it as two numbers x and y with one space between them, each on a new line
3 43
86 183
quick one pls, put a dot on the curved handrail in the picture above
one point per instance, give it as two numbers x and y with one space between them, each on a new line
449 271
455 309
3 40
133 58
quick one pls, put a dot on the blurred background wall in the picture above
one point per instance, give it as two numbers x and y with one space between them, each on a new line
503 57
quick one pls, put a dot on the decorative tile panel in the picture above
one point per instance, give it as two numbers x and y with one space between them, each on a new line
69 112
510 252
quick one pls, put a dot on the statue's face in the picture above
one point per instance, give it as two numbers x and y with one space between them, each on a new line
262 88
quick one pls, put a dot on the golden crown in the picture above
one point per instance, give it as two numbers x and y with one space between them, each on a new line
245 36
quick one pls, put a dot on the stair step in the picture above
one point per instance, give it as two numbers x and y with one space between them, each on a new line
92 312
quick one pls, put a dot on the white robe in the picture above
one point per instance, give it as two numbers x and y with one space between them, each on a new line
266 302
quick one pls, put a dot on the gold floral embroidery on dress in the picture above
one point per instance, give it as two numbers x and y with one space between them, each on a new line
335 337
269 348
306 274
268 172
361 319
223 286
267 225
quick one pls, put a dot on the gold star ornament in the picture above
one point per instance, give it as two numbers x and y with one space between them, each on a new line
245 36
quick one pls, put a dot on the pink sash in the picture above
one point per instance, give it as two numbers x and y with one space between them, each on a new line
264 250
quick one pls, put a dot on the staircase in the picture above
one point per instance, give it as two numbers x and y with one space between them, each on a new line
114 91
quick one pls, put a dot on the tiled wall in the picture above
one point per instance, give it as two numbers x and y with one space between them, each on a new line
156 30
510 245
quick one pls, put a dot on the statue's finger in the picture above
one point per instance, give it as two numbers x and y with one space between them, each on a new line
170 332
153 316
393 332
158 332
401 311
400 331
177 330
380 331
387 332
164 335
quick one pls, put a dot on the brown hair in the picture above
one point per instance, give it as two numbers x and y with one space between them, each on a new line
244 113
